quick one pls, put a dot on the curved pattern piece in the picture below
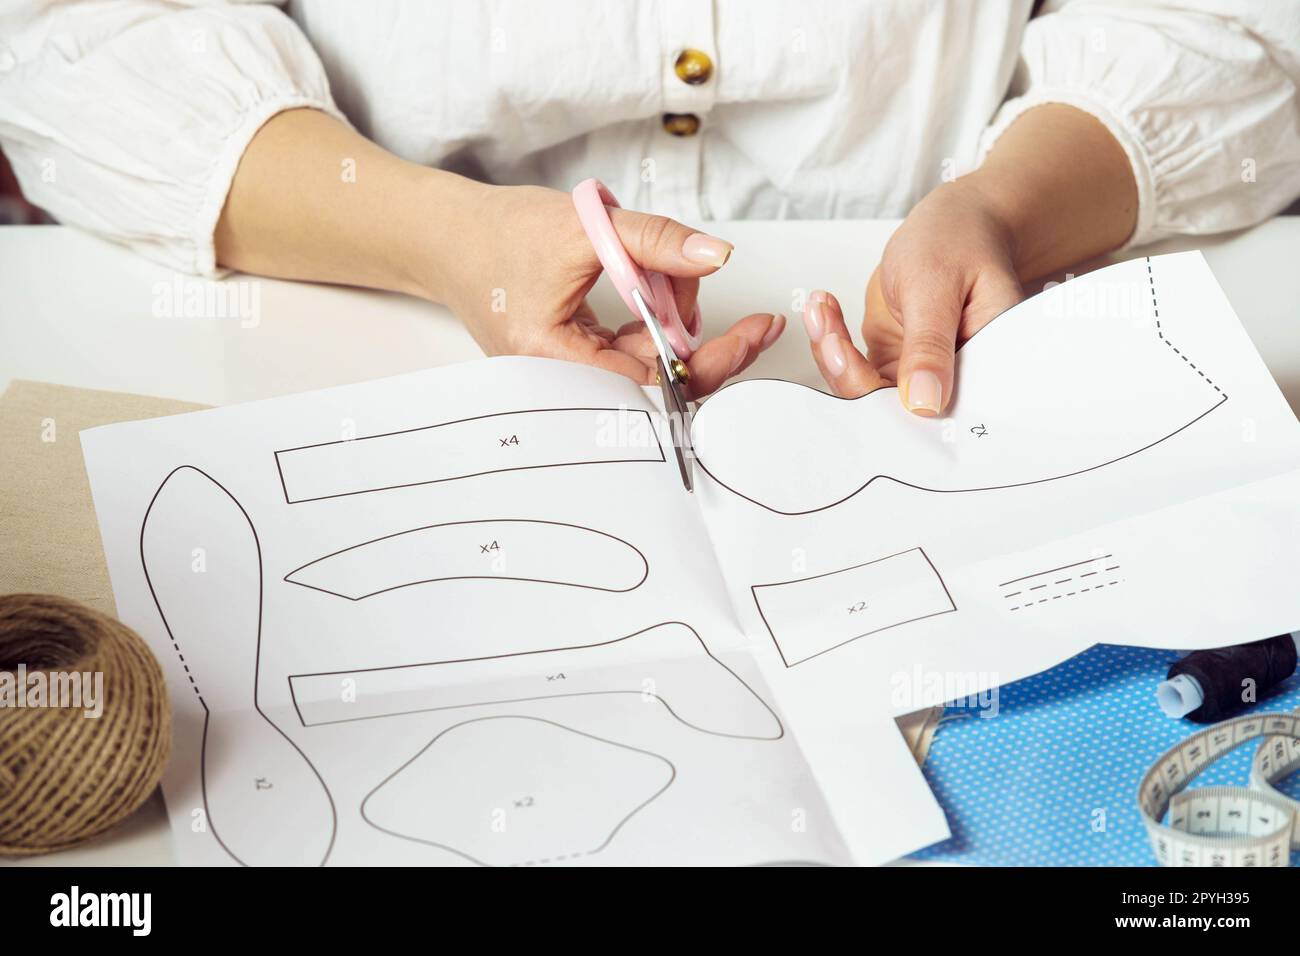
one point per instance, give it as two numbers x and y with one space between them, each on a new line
517 791
264 801
514 549
695 688
1077 378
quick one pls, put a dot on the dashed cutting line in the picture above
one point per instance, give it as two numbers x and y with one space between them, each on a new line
193 684
1155 307
554 859
1057 597
1039 587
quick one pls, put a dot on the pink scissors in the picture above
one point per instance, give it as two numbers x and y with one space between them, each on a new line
649 296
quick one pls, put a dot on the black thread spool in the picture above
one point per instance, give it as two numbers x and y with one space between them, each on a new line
1223 673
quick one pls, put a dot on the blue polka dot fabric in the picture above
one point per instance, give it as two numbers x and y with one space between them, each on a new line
1052 779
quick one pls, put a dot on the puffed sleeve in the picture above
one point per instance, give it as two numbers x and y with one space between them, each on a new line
128 119
1201 94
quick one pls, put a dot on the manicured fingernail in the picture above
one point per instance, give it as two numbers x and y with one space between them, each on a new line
706 250
833 355
773 331
818 296
924 393
814 320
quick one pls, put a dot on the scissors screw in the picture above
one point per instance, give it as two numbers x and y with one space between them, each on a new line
680 372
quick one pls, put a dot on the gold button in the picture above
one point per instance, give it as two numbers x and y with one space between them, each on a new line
693 67
681 124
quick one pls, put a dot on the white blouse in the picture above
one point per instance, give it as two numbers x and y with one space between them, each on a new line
128 119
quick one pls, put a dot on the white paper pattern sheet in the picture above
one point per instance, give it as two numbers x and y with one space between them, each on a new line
469 616
1118 467
1079 378
484 626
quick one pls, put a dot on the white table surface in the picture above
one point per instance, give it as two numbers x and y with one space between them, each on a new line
78 311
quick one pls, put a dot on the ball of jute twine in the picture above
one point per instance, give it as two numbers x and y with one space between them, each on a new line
66 777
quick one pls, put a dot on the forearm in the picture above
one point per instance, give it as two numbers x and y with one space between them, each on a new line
1061 185
313 199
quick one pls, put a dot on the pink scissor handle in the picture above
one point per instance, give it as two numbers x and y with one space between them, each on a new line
590 198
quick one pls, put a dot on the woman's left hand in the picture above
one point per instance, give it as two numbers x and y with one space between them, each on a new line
946 273
1057 189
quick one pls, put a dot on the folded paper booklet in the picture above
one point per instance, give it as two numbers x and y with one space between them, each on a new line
471 616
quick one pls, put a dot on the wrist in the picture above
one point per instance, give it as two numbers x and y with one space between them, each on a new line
1005 210
436 230
1061 185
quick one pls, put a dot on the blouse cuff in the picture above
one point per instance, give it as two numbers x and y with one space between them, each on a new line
146 112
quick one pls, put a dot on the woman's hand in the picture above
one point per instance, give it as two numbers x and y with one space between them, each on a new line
520 287
947 272
1057 189
313 199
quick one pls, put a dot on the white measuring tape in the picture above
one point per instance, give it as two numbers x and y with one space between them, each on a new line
1225 826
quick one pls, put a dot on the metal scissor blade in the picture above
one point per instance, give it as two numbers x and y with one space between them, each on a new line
679 423
671 372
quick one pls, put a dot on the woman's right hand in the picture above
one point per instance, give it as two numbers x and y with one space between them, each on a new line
313 199
519 282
